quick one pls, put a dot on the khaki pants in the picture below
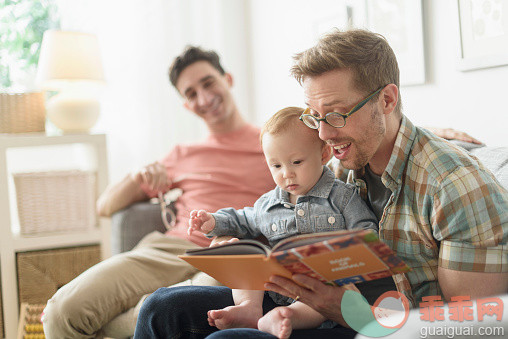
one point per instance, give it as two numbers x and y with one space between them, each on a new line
105 299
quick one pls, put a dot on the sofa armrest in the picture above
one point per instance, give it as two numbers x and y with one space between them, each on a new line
130 225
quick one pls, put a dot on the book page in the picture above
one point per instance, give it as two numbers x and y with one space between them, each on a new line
348 262
237 247
306 239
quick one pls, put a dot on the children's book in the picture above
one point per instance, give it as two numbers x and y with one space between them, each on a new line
339 257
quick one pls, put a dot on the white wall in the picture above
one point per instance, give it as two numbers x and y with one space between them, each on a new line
143 116
279 30
469 101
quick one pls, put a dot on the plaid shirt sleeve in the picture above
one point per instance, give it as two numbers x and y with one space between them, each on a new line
470 218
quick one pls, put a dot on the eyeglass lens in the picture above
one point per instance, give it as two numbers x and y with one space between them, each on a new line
334 119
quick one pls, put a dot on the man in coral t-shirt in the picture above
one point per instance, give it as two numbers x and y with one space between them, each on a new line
225 170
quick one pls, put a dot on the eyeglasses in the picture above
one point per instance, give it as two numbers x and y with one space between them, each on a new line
167 214
165 201
334 119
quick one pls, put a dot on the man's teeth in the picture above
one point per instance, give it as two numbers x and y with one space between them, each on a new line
338 148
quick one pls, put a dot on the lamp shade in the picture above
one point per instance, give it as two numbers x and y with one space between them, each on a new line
68 57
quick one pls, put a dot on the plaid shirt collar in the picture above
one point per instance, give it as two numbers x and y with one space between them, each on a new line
392 176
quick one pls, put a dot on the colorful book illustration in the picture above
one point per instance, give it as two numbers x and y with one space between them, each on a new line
338 257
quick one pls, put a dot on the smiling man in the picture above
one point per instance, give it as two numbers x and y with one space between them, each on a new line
227 169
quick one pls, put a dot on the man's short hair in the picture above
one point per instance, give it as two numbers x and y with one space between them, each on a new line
284 120
367 54
190 55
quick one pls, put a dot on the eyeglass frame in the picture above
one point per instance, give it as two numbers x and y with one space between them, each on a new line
166 205
343 115
165 210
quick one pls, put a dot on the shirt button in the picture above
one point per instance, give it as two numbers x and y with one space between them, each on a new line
331 220
274 227
301 213
287 205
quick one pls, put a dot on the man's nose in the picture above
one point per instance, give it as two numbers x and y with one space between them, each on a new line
204 98
326 131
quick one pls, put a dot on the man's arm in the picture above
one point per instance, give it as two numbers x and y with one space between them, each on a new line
474 284
470 216
129 191
120 195
452 134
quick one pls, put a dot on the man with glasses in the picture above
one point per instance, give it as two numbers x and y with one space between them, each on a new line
441 211
438 208
227 169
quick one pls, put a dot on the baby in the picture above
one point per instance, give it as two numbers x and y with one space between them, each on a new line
308 199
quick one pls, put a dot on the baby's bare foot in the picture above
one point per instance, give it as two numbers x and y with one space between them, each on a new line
277 322
238 316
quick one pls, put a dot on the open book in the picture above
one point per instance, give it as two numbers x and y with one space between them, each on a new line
338 257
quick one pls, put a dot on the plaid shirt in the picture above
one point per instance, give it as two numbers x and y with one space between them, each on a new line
446 210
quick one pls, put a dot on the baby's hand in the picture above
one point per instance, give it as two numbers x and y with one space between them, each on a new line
223 242
201 220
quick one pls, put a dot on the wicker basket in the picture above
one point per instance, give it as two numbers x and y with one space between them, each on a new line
55 201
42 273
22 113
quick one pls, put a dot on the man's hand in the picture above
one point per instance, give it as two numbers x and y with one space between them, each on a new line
154 176
323 298
452 134
201 220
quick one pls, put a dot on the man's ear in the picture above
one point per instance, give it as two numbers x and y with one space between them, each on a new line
229 79
326 154
390 97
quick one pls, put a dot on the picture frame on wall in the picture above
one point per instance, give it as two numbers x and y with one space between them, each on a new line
483 34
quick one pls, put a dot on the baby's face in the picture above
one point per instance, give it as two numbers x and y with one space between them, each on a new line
294 158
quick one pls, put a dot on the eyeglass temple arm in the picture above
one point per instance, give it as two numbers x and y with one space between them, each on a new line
363 102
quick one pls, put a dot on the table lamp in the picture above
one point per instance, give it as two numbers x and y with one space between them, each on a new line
70 64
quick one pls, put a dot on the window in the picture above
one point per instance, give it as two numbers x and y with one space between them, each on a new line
22 24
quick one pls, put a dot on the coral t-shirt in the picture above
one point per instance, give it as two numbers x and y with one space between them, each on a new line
225 170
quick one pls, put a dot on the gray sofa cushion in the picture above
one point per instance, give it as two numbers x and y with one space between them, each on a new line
494 158
130 225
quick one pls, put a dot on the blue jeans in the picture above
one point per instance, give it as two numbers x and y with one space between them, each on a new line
181 312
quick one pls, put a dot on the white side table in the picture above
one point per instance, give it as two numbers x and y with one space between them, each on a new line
11 242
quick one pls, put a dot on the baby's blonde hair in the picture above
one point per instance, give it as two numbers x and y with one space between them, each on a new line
282 121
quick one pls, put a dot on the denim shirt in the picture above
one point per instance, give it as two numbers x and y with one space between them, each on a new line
329 206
